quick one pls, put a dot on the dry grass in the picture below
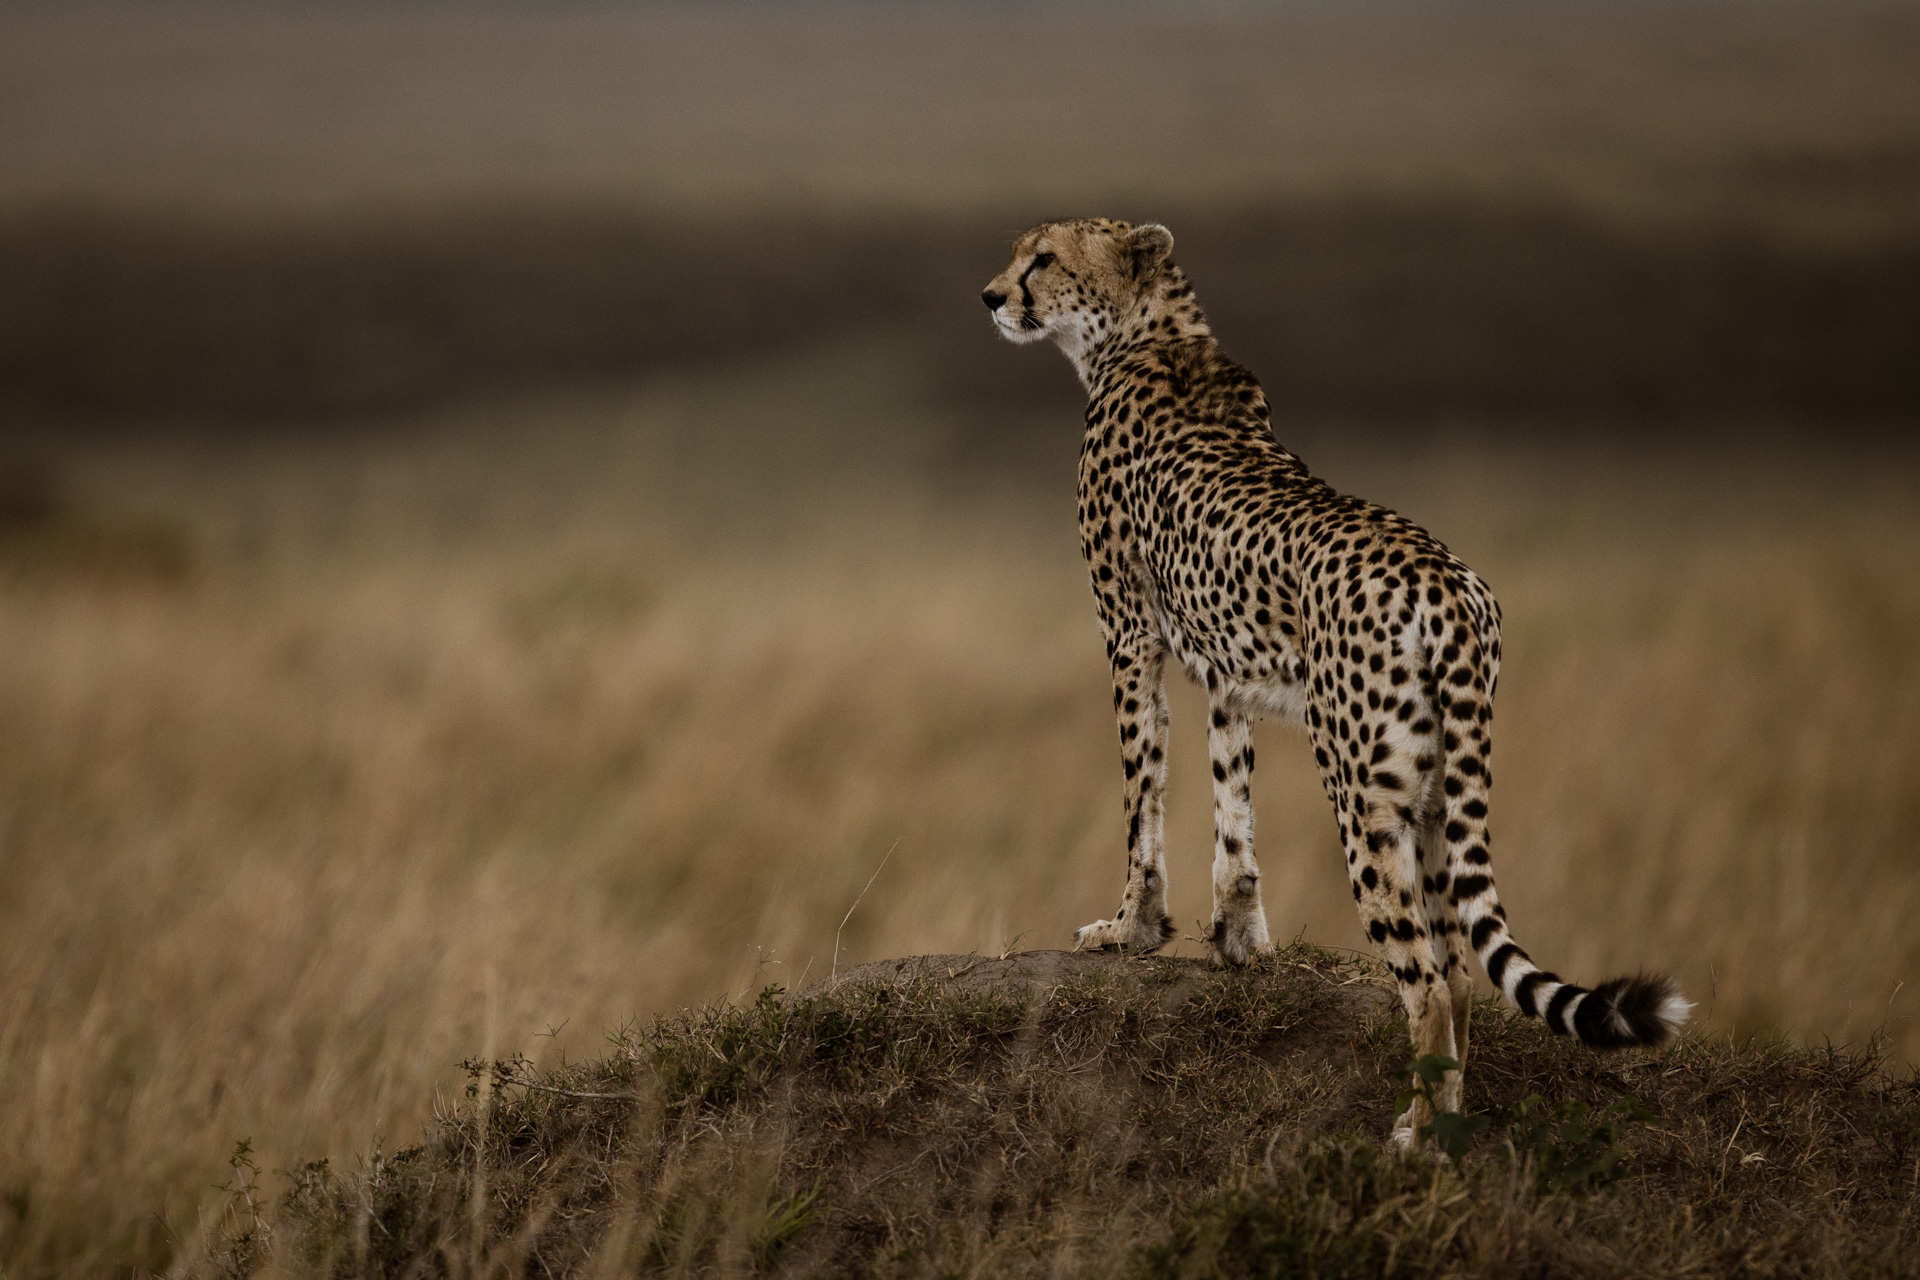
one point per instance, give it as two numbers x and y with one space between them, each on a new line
489 734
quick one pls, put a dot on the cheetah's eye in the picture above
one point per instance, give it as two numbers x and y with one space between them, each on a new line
1041 261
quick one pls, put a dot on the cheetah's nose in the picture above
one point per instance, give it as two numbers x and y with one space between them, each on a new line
992 299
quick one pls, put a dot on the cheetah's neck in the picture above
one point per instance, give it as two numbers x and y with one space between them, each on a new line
1166 311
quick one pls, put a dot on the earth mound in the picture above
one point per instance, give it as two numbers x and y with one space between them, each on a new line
1052 1113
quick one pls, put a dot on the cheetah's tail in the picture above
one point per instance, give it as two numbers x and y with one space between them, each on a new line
1645 1009
1642 1010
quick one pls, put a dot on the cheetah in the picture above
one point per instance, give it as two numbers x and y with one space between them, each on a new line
1207 540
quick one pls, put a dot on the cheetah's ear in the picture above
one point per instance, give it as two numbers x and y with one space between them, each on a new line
1149 248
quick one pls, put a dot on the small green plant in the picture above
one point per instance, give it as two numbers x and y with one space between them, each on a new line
785 1220
1452 1132
1574 1150
669 1228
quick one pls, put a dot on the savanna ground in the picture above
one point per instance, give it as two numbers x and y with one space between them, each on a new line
473 581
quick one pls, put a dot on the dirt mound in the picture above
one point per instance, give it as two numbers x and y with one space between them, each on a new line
1052 1113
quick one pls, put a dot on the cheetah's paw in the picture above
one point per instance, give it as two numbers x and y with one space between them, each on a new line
1137 937
1405 1141
1405 1136
1233 943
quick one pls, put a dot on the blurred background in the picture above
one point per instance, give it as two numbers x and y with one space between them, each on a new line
511 515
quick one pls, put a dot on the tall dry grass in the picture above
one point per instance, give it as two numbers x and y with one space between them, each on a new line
485 734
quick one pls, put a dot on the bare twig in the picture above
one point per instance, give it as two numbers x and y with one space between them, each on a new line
856 903
507 1074
574 1093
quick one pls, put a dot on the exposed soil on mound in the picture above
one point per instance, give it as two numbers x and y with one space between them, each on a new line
1347 996
1176 978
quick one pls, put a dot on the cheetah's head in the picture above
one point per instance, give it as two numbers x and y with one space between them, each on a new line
1075 281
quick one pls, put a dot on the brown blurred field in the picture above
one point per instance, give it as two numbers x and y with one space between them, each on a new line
507 522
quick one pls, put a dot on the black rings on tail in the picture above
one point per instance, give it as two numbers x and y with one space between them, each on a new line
1642 1011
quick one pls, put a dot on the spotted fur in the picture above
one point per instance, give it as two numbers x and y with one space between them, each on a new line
1209 541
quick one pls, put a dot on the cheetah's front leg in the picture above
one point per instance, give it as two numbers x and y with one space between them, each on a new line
1239 929
1142 924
